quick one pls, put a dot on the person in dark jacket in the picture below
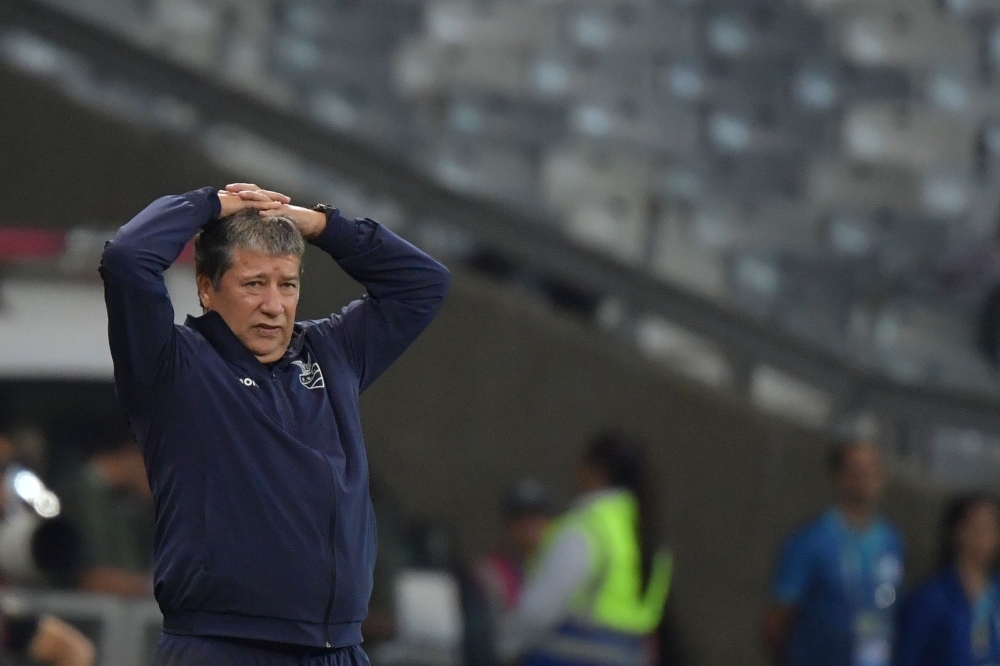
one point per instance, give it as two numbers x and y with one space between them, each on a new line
954 618
249 423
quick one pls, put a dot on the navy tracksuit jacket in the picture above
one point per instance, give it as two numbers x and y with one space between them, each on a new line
264 524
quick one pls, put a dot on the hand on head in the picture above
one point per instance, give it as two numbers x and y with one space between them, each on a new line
240 196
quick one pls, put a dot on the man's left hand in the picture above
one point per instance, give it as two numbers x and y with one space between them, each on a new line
310 223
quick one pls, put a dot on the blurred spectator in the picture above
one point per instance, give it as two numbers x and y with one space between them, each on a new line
597 591
954 618
527 515
835 586
37 545
107 497
500 574
46 640
436 550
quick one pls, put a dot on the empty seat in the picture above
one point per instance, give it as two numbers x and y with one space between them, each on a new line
423 67
630 28
761 30
568 173
490 118
837 185
568 73
616 223
678 256
498 24
841 6
496 171
640 125
912 36
909 136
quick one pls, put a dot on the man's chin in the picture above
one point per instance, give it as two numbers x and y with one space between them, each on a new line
268 352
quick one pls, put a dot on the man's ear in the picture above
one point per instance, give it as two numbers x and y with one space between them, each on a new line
205 290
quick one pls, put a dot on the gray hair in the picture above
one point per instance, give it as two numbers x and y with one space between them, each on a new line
246 230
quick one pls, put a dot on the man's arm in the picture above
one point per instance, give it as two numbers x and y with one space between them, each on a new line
791 580
405 286
140 316
545 599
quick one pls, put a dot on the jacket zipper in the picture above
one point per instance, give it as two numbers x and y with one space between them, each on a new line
283 405
285 408
333 558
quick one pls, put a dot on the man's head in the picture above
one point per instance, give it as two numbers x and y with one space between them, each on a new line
248 270
527 513
857 471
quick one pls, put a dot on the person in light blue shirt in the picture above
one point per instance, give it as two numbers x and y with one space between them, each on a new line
953 619
835 585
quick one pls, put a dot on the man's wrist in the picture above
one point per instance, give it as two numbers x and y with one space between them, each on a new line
339 236
320 216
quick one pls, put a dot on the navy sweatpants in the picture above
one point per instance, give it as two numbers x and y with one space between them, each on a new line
174 650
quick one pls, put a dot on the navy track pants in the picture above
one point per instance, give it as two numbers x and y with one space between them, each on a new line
175 650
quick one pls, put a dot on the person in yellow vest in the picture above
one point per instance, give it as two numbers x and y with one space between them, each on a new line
596 591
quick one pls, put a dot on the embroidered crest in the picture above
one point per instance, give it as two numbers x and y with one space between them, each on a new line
311 376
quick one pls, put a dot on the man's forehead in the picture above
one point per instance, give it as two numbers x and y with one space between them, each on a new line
250 262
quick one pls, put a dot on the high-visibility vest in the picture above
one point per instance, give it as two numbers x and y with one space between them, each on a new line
611 615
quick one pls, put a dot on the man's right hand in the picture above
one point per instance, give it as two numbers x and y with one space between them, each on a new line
234 202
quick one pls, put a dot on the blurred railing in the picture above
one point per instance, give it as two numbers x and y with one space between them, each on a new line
124 632
950 434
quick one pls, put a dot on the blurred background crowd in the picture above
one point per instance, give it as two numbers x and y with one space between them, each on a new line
723 233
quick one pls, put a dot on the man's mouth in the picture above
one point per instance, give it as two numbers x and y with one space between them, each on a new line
268 330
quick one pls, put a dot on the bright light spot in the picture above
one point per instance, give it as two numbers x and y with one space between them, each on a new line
27 486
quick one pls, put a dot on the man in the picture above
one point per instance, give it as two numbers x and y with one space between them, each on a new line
499 575
249 422
600 580
835 588
527 517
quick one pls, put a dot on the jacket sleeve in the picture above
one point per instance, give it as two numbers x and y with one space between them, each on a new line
793 572
405 289
140 316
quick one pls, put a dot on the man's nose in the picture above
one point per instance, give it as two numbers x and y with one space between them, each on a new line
271 305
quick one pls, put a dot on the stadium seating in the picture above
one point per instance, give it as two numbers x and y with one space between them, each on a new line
769 139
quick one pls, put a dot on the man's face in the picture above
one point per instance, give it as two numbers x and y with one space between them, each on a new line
861 477
257 298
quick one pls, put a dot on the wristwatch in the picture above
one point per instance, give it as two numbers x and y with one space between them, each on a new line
326 209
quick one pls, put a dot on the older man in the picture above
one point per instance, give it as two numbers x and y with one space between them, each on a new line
249 423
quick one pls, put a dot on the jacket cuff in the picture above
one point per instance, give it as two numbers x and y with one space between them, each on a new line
340 236
207 196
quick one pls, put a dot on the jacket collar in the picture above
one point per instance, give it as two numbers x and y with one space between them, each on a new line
213 328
